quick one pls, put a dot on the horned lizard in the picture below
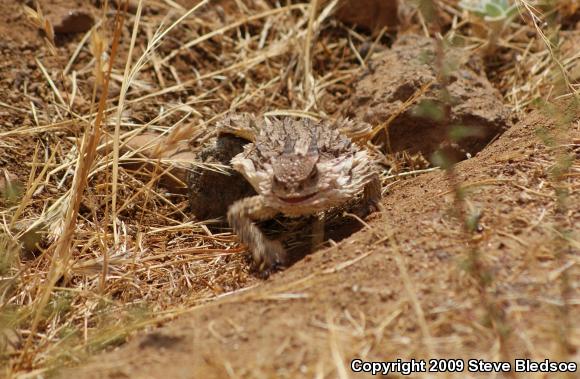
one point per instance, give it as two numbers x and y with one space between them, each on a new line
298 167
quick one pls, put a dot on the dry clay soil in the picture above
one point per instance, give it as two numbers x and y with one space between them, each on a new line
397 289
366 297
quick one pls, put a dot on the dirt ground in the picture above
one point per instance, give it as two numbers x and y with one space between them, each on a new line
412 283
366 298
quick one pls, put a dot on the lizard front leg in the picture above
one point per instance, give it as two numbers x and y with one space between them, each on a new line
267 254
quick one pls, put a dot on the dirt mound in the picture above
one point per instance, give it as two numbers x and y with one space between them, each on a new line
375 299
401 89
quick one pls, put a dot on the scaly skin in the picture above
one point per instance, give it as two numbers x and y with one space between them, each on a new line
298 168
267 254
372 194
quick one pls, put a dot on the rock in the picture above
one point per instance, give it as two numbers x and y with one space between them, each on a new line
372 15
155 147
146 143
68 21
10 188
398 74
212 192
10 341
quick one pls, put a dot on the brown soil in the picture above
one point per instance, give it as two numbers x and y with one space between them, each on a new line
411 284
409 67
351 300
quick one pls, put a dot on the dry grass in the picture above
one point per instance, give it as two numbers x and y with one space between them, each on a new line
95 250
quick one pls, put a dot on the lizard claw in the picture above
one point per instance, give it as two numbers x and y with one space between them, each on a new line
270 259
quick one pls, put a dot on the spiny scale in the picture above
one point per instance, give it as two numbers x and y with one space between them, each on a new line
298 167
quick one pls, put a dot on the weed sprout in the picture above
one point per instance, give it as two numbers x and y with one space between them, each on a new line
496 14
490 10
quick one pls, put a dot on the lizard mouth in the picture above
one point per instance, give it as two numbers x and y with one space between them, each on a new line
297 199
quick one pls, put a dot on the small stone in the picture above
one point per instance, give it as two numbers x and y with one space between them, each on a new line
8 184
154 147
10 341
372 15
69 21
524 197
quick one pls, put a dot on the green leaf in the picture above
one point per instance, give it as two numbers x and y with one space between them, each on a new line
440 159
493 11
430 110
457 133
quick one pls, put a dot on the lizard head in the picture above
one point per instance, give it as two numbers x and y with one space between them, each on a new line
295 178
300 167
296 175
